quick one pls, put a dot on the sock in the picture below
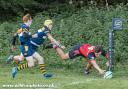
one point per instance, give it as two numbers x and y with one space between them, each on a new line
42 68
22 66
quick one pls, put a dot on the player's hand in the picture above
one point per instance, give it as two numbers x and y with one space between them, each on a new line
63 47
13 48
102 72
107 64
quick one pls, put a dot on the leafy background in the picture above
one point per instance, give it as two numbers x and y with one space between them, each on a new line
73 24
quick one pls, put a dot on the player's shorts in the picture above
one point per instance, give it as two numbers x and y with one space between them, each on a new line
27 50
75 52
36 57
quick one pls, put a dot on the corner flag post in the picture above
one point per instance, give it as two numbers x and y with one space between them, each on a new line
117 25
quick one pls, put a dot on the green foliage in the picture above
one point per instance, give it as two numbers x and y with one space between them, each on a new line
12 8
88 25
7 30
9 9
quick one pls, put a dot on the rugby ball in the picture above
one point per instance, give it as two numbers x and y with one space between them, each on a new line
108 75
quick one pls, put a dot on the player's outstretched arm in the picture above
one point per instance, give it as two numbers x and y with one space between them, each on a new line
96 66
50 37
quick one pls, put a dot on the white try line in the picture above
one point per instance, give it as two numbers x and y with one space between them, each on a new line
79 82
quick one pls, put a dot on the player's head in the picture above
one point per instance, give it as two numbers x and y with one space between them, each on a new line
49 24
27 19
98 50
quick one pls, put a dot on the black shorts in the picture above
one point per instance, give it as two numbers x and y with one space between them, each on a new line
75 52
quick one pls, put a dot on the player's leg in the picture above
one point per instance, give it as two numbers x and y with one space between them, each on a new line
87 68
16 58
19 57
29 58
29 64
61 53
30 61
40 60
71 54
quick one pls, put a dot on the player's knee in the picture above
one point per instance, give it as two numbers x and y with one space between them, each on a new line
18 58
41 61
64 57
15 58
30 65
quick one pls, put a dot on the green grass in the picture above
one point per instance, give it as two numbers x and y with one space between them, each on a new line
63 79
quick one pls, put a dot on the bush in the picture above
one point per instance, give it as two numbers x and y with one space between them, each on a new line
88 25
